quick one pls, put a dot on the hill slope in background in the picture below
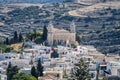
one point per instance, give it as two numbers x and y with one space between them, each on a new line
102 26
99 27
28 1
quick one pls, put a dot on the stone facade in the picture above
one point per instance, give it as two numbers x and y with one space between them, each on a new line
61 36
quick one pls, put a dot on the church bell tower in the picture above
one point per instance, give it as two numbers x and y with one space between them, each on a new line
72 27
50 33
50 27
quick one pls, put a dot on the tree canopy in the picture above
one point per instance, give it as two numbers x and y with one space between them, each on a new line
15 38
80 71
20 37
54 54
5 48
44 35
40 68
34 72
23 76
11 71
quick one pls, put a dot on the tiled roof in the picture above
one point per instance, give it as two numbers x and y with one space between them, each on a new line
60 30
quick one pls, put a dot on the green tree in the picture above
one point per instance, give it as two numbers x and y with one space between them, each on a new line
5 48
11 71
7 41
40 68
15 38
34 72
8 49
38 40
35 34
80 71
78 39
54 54
23 76
44 35
20 37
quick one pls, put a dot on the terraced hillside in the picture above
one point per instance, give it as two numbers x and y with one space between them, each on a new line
26 17
98 26
101 26
28 1
90 10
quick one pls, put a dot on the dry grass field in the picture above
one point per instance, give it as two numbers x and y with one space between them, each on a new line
80 12
17 46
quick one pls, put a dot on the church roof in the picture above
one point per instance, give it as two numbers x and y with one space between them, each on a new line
56 30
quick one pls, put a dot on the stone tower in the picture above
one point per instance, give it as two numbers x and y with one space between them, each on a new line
50 33
72 27
73 32
50 27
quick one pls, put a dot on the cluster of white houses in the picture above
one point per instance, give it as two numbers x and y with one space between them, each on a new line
64 64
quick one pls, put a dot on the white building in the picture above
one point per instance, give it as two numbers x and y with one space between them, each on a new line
114 66
61 36
4 56
21 63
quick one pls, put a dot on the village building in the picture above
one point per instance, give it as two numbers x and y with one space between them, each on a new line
61 36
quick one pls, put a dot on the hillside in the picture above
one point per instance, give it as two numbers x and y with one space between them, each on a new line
28 1
98 27
83 12
101 26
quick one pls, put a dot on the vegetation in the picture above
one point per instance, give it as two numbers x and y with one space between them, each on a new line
95 31
73 46
23 76
37 71
65 76
54 54
15 39
7 41
5 48
11 71
80 71
40 68
35 36
32 35
21 15
44 35
20 38
34 72
13 74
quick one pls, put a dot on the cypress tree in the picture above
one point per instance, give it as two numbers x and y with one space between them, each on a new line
35 34
40 68
44 35
54 54
34 72
8 71
11 71
15 38
20 37
7 41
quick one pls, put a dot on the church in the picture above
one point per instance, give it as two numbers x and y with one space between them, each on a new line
57 36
